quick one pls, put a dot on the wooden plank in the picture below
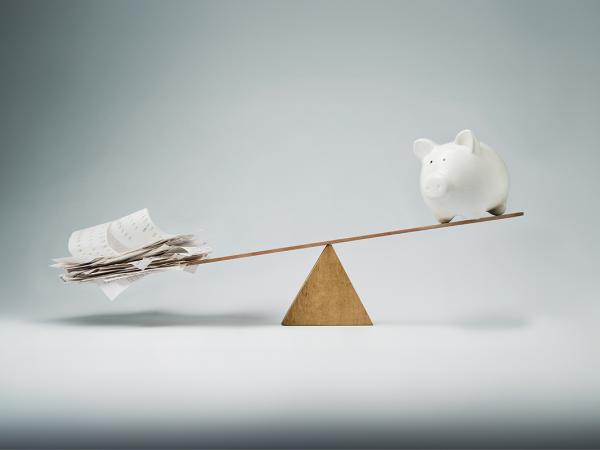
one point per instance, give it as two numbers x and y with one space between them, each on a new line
357 238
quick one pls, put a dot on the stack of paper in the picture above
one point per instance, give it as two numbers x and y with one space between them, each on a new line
117 253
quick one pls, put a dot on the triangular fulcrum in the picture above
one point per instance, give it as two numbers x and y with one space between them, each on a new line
327 297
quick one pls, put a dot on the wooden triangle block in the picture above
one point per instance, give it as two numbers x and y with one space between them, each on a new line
327 297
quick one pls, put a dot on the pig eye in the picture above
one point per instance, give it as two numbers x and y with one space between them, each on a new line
431 161
443 159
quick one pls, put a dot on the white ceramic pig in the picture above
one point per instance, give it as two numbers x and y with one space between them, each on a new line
462 178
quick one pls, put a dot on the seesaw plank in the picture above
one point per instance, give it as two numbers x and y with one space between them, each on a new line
358 238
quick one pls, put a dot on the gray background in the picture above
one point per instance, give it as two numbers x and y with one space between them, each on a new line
274 123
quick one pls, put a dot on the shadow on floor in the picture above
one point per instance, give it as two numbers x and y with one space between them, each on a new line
159 318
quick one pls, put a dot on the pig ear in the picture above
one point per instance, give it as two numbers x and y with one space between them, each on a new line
468 139
422 147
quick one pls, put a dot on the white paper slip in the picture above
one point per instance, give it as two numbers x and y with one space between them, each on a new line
112 289
113 238
115 254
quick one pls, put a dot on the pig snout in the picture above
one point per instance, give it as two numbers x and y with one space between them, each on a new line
435 186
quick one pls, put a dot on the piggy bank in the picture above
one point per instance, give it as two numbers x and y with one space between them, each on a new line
462 178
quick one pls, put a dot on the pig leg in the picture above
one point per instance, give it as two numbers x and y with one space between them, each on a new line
444 219
498 210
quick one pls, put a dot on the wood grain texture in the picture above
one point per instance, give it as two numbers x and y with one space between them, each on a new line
356 238
327 297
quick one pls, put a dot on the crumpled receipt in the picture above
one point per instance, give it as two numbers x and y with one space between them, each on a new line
115 254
